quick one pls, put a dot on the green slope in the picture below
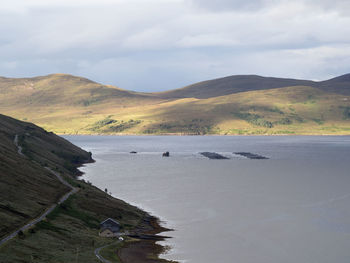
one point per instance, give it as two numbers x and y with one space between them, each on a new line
291 110
61 90
70 233
233 105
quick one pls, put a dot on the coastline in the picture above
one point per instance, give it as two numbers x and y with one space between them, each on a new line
141 246
200 135
139 249
123 167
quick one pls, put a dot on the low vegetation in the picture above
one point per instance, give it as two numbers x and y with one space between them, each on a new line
254 119
102 123
70 232
109 125
66 104
346 112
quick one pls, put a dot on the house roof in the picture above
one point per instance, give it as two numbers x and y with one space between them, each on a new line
110 221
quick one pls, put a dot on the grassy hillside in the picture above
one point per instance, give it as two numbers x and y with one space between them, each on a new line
243 83
234 105
70 232
62 90
291 110
231 85
339 85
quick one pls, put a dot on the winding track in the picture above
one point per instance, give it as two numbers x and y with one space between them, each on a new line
19 148
97 252
49 210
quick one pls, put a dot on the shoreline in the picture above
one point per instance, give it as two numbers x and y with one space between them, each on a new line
143 248
201 135
139 246
140 249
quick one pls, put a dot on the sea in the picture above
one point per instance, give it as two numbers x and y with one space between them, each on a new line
292 207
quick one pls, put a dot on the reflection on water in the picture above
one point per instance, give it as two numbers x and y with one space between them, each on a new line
293 207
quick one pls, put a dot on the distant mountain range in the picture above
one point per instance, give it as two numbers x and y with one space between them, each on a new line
244 83
242 104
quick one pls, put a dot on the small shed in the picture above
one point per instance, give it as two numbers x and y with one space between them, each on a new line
109 228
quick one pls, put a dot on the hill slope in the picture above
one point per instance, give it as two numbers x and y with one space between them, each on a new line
339 85
233 105
290 110
70 232
244 83
230 85
62 90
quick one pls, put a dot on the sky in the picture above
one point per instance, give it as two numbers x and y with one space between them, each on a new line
154 45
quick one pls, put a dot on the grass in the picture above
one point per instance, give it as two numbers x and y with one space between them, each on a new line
346 112
70 232
68 208
110 252
102 123
296 110
45 225
254 119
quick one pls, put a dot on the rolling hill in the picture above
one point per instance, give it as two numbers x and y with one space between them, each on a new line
339 85
245 104
230 85
63 90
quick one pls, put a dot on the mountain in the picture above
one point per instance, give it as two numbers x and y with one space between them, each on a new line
240 104
62 90
339 85
244 83
28 188
230 85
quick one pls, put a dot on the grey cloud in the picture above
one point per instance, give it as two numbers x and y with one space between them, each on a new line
340 6
161 45
225 5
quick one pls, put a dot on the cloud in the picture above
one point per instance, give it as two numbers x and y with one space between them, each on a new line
228 5
341 6
163 44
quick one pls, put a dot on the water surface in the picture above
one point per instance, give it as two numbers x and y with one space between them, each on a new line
293 207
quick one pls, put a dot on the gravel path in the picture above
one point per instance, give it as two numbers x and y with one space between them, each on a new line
49 210
19 148
97 254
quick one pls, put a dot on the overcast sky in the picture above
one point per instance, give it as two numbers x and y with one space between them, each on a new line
152 45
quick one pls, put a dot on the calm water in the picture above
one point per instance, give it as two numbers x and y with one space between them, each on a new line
294 207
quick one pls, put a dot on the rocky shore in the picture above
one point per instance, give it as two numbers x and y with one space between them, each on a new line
143 247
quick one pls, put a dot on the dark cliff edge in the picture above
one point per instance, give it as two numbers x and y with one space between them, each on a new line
27 189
